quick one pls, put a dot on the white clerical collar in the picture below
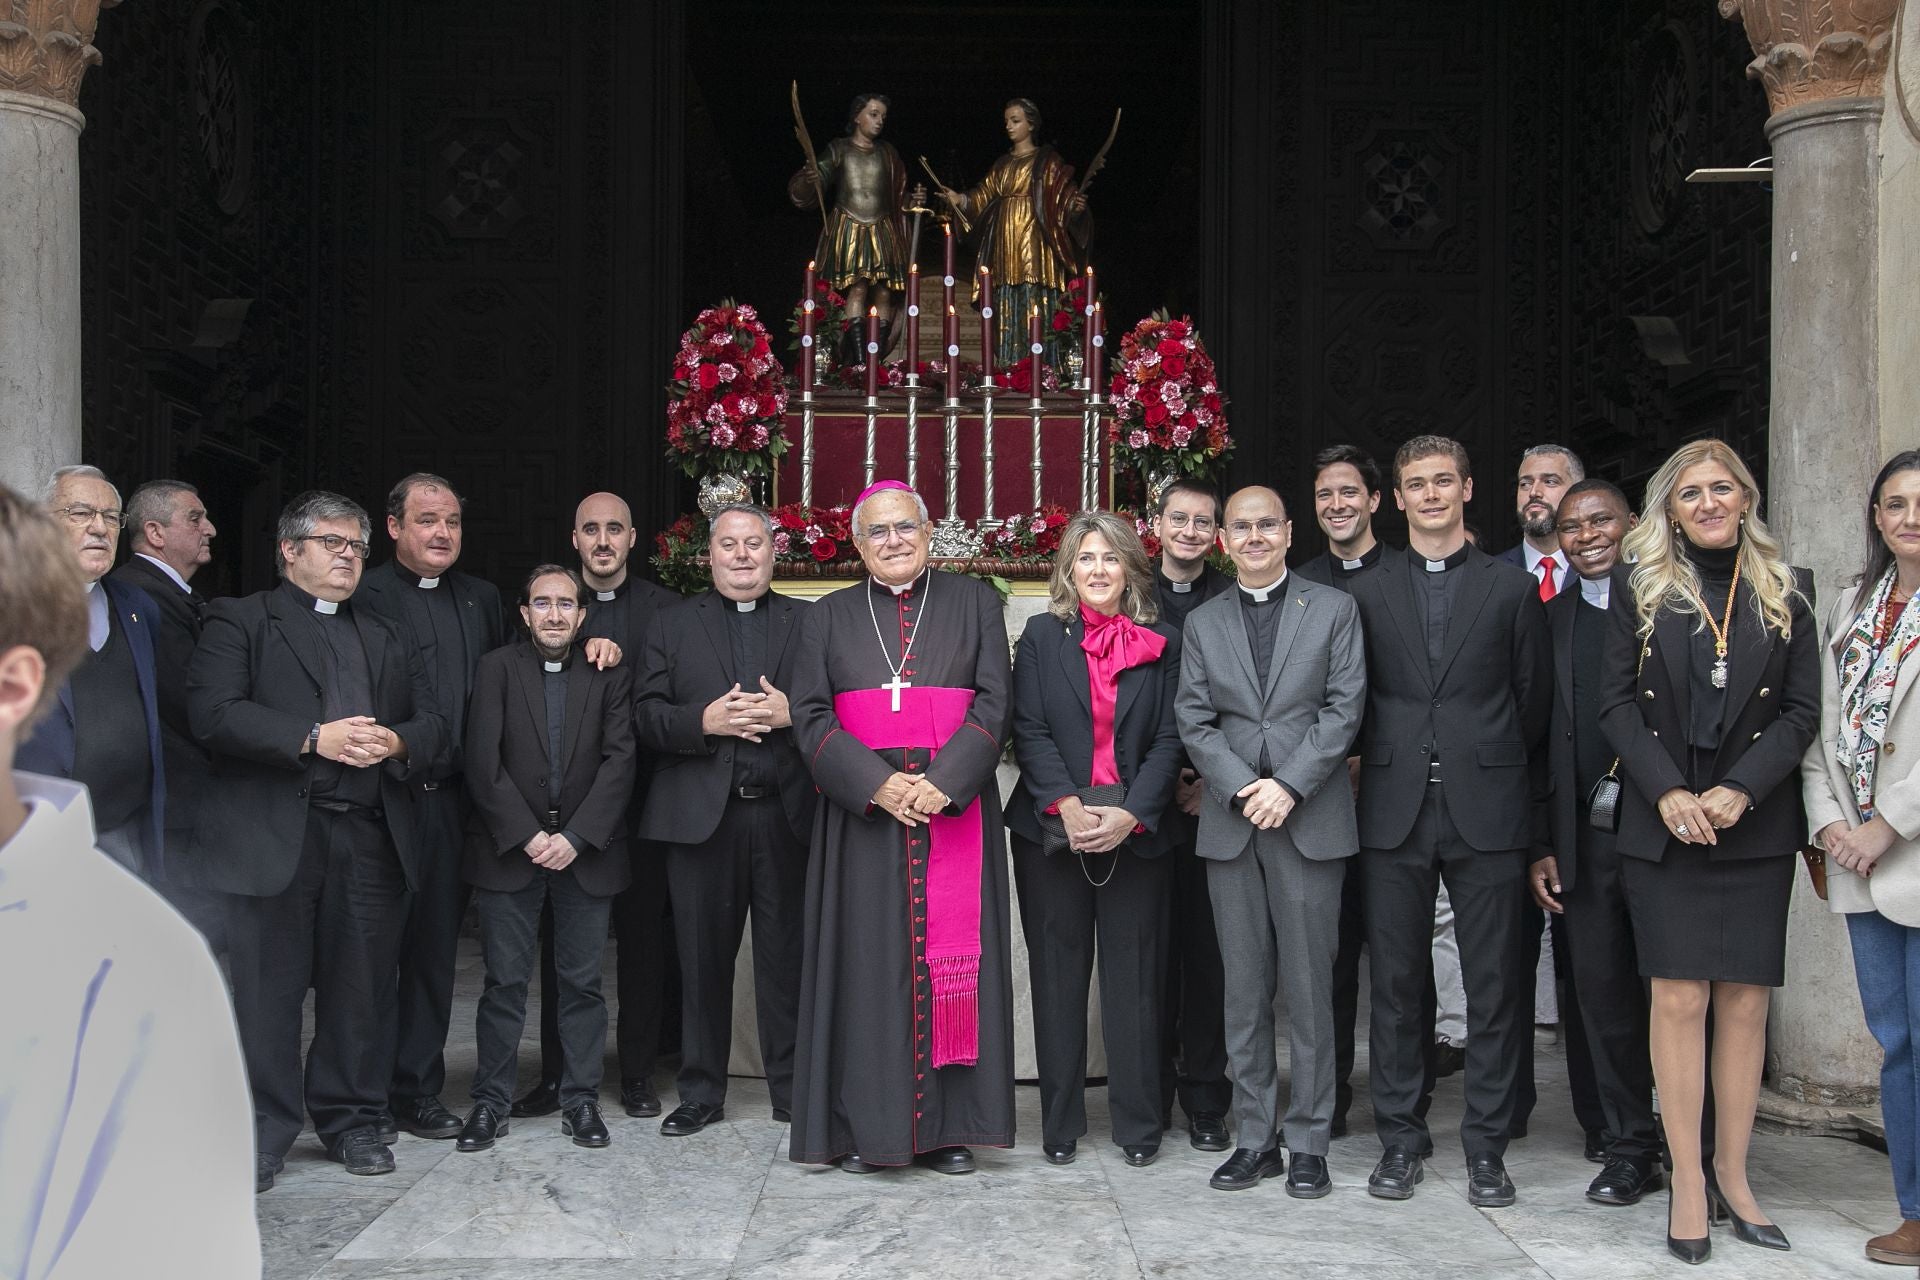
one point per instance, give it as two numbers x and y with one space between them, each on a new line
167 569
552 668
746 606
1597 592
1259 594
604 596
1179 588
1353 565
428 584
325 606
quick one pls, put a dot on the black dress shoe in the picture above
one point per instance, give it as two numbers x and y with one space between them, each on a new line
638 1097
1488 1186
949 1160
541 1100
1624 1181
1141 1154
1246 1167
1764 1234
1207 1130
265 1169
583 1124
782 1115
1339 1129
1395 1177
1596 1150
1060 1152
854 1164
385 1129
690 1118
1692 1251
1448 1059
426 1118
483 1125
362 1152
1307 1177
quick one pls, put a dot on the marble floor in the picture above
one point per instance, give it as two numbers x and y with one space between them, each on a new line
727 1202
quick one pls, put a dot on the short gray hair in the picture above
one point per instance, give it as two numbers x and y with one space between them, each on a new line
919 504
80 471
1577 470
154 501
740 508
298 518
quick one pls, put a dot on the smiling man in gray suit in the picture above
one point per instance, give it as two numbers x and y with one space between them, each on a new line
1271 692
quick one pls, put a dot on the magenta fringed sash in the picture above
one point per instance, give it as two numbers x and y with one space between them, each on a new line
927 718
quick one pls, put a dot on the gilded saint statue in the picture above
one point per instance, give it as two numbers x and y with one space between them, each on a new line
1033 229
862 184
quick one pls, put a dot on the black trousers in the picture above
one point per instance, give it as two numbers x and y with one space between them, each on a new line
428 945
1573 1031
1062 915
1613 998
509 935
336 928
1487 890
1193 1037
1346 984
751 864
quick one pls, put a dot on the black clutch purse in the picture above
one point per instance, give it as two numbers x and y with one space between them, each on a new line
1603 802
1053 828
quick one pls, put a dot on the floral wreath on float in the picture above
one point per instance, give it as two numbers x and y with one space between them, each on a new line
728 396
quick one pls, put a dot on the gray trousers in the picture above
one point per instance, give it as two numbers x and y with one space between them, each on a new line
1277 913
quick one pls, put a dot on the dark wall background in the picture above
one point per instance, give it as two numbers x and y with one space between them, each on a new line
329 247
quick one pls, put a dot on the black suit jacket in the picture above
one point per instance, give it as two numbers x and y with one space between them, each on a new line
1772 715
685 663
1566 808
1485 712
254 691
1053 730
508 768
482 623
177 621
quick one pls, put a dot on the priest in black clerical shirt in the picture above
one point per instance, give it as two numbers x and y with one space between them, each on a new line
451 618
1193 1047
318 715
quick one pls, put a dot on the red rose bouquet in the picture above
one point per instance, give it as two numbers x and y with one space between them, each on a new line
1027 537
1168 413
729 396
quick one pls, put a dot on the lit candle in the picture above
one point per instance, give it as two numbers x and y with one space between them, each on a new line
1086 330
1034 347
950 344
913 323
807 317
986 327
873 352
1097 370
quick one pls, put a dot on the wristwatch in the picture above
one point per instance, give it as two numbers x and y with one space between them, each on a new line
313 739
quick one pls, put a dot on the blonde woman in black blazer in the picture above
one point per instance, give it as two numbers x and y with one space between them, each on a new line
1712 693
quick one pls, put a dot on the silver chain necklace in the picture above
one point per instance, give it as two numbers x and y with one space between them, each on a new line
895 685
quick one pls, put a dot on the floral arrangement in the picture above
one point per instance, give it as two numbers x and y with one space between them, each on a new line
812 535
1168 413
729 397
1069 317
1032 537
830 320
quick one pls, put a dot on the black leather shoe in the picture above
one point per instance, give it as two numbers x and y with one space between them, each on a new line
782 1116
1208 1131
1246 1167
1307 1177
483 1125
385 1129
1488 1186
1141 1154
265 1169
1763 1234
1060 1152
1693 1251
541 1100
362 1152
854 1164
1596 1151
949 1160
690 1118
638 1097
1395 1177
1448 1059
1624 1181
425 1118
1339 1129
583 1124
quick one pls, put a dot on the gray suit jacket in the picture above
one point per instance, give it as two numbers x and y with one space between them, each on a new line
1307 716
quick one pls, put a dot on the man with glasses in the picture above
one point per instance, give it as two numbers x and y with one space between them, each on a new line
1193 1047
318 715
104 728
900 694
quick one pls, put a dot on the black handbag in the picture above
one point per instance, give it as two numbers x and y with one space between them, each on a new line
1053 828
1603 802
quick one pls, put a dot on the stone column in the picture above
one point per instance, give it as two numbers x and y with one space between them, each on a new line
45 49
1822 67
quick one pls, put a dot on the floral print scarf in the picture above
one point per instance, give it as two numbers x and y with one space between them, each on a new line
1869 668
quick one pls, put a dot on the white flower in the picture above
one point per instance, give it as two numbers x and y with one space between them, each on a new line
1137 439
749 407
727 372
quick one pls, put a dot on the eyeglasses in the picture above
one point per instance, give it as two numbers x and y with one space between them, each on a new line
561 606
81 514
1180 520
902 529
1268 528
335 544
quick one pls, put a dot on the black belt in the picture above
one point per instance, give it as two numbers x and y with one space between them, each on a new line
755 793
343 806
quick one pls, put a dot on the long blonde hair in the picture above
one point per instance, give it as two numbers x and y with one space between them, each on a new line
1663 577
1139 601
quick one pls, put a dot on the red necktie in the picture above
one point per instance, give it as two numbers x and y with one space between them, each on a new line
1546 578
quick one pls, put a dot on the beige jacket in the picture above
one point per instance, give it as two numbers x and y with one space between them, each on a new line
1894 887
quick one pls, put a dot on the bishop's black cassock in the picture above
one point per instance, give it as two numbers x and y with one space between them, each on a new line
865 1080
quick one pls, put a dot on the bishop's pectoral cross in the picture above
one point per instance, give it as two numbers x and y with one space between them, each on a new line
894 686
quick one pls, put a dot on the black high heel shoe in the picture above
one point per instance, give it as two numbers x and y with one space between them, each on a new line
1764 1234
1692 1252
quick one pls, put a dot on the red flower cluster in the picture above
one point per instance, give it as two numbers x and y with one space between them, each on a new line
729 397
1167 406
1070 316
829 320
1034 537
823 535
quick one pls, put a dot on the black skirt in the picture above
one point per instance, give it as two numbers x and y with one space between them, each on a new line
1705 920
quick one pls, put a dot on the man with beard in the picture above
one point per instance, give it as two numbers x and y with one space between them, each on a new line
1193 1047
1545 472
906 1002
451 618
550 764
620 608
732 805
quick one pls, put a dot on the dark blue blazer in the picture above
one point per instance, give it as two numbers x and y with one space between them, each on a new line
50 749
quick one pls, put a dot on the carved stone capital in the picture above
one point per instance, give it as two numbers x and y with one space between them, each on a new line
1809 50
46 46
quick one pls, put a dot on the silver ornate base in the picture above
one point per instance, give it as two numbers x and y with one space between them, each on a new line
952 538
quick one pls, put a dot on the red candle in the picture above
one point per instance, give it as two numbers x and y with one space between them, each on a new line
948 260
950 344
1086 331
913 323
1034 347
1097 370
986 327
807 316
873 352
